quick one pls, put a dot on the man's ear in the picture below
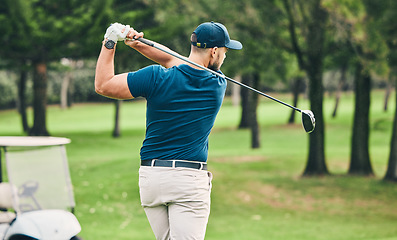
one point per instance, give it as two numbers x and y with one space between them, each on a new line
213 51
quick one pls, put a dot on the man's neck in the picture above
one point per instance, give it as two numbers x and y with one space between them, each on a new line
199 59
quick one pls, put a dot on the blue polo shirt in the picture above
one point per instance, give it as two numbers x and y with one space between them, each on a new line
182 104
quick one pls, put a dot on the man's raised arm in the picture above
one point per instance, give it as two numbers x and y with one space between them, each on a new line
115 86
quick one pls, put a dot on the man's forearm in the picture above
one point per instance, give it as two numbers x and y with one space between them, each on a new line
151 53
156 55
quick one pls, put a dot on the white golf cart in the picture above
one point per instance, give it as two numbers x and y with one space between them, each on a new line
37 202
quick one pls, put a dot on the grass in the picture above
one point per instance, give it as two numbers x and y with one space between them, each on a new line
257 194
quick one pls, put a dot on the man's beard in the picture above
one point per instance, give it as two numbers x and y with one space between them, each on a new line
216 66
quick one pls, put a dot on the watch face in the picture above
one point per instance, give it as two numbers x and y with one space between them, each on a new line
109 44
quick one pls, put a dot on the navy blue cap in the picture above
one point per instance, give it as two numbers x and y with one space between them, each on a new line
212 34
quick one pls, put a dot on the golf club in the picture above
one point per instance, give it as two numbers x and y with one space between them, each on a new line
308 120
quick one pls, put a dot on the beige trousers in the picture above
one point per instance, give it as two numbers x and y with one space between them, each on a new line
176 201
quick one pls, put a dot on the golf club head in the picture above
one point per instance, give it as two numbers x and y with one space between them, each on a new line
308 121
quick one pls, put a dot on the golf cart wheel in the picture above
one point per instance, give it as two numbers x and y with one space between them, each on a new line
21 237
76 238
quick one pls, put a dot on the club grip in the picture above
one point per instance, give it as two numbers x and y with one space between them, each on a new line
145 41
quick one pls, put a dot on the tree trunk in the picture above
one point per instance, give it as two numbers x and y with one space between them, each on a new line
39 100
359 161
236 97
70 93
22 98
341 83
314 69
310 60
391 172
65 89
116 130
296 89
387 92
316 160
67 85
253 117
244 93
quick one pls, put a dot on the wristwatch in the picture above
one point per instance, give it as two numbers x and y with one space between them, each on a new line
109 44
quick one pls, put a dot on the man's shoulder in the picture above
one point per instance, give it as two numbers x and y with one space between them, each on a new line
154 70
154 67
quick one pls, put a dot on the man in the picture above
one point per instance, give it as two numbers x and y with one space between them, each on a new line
182 103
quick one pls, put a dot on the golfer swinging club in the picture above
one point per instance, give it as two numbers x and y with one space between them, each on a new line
182 103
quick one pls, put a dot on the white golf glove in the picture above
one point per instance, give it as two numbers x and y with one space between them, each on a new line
115 32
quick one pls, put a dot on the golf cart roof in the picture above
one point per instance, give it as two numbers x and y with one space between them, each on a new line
9 141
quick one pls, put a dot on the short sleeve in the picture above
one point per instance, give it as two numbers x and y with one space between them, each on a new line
142 82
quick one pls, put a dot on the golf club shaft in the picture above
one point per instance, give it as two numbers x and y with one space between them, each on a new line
149 43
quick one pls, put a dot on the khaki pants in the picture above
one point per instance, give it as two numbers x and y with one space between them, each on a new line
176 201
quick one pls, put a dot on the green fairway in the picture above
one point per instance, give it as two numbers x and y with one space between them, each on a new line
257 194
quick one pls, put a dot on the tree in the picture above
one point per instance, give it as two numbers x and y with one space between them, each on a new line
23 76
389 89
309 19
66 93
369 51
250 100
244 96
360 163
341 84
45 31
116 131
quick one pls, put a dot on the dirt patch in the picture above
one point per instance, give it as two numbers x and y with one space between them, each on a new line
258 193
280 198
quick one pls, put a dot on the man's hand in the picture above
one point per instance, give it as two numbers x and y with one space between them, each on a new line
131 35
117 32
